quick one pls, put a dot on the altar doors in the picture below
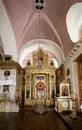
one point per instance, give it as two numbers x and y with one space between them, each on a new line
40 88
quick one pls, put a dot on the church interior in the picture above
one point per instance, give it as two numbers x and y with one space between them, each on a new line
41 64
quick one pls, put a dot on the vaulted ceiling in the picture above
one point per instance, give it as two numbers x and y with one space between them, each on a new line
28 25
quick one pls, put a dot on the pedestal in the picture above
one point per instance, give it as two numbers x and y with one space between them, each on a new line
73 114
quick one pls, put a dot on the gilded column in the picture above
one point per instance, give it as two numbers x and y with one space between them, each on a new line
47 86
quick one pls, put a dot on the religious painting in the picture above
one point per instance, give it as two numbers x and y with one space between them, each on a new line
6 88
52 92
40 61
64 89
28 93
6 91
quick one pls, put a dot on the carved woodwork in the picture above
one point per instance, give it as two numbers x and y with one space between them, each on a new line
10 82
39 80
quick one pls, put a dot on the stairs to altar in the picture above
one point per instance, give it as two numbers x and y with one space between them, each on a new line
9 107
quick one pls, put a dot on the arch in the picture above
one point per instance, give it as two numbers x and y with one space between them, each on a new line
6 33
45 45
55 62
74 21
1 48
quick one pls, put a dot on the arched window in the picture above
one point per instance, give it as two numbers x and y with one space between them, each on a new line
39 4
74 22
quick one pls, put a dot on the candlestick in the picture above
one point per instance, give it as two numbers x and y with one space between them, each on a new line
73 114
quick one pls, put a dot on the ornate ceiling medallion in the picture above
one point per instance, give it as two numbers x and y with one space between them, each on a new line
39 4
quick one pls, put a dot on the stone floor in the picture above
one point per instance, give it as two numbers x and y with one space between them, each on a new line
75 124
28 120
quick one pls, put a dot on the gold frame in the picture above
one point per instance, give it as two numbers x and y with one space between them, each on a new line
64 90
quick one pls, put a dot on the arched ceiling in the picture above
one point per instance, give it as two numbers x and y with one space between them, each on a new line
52 48
28 24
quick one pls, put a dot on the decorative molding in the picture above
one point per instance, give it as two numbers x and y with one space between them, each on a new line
74 53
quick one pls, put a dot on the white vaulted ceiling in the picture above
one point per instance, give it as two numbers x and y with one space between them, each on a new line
21 27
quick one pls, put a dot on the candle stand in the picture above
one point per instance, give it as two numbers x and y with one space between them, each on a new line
73 114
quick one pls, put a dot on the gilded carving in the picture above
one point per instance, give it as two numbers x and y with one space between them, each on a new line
41 80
